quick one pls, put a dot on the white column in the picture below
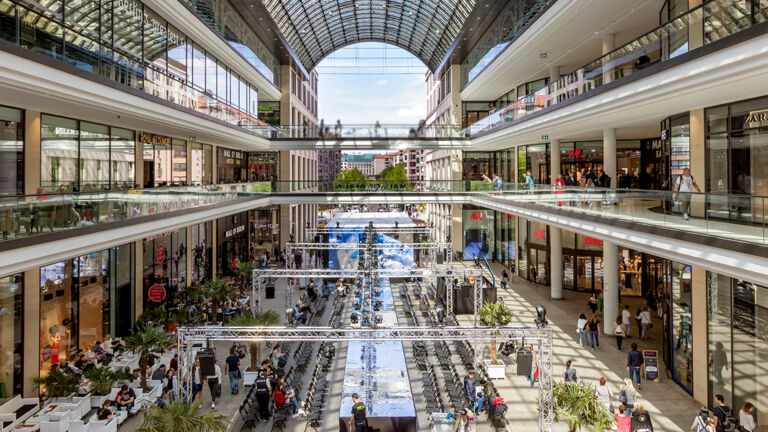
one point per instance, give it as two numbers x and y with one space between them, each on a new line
609 155
610 285
556 263
609 44
554 157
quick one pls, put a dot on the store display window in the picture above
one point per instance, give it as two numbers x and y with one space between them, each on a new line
11 153
682 326
478 232
202 251
11 335
165 264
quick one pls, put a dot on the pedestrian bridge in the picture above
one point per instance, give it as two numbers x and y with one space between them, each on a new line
726 233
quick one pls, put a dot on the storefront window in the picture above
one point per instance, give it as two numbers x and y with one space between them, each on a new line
265 232
630 272
536 159
179 167
94 157
202 249
738 313
11 152
233 248
682 367
58 153
165 264
522 252
262 166
231 165
11 334
478 232
123 157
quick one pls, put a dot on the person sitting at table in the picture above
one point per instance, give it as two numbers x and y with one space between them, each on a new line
105 411
126 398
83 363
99 353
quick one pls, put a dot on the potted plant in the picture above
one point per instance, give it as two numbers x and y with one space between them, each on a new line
245 271
144 342
179 416
267 318
576 405
215 290
101 380
494 315
59 385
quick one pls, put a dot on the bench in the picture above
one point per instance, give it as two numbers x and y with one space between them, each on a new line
16 410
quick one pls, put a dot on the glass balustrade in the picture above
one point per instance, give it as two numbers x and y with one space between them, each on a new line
24 216
716 19
365 131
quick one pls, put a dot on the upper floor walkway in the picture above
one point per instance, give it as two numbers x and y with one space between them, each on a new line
725 233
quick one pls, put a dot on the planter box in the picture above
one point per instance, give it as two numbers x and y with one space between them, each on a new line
495 371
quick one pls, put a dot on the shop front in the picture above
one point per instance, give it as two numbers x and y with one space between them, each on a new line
84 300
737 160
737 327
11 153
534 158
233 248
202 251
477 164
165 160
232 165
533 262
479 233
11 335
263 166
165 268
265 233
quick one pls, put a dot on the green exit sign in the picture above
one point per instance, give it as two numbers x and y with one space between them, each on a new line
192 138
545 137
543 55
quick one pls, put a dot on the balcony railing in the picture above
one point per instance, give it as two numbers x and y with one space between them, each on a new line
715 19
741 218
360 131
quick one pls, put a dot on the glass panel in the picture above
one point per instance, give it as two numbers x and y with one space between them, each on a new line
207 164
58 154
719 335
84 15
234 89
127 31
123 158
11 334
93 298
198 68
162 165
58 329
11 152
177 53
196 161
179 162
94 157
211 76
478 233
122 309
682 325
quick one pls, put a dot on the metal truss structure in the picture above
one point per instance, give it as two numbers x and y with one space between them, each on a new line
541 338
351 273
359 230
377 246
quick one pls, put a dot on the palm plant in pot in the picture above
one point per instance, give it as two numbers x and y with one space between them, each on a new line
245 271
576 405
215 290
144 342
101 379
58 385
267 318
494 315
179 416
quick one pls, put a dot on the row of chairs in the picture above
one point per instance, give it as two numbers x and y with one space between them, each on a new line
318 386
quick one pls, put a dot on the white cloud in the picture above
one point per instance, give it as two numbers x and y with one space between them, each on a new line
381 82
414 111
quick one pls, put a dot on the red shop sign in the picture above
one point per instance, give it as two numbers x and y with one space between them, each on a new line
476 216
509 216
160 254
539 234
574 153
156 293
592 241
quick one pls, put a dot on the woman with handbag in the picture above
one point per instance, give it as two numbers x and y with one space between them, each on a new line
628 396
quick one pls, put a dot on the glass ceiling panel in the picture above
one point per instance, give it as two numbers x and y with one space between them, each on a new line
316 28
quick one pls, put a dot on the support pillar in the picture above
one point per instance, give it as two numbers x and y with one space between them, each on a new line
215 249
32 157
556 262
699 334
609 44
554 157
188 256
138 165
609 154
31 344
698 149
610 285
695 28
138 272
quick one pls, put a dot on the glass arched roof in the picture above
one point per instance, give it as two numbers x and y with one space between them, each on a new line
316 28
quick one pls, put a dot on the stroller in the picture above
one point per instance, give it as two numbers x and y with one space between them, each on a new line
497 414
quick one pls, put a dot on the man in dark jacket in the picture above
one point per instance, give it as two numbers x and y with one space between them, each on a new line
469 388
603 179
570 179
634 363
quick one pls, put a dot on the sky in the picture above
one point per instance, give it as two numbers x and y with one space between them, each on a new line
371 81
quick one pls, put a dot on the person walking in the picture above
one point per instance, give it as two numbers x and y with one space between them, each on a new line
337 129
641 420
626 319
684 186
701 420
470 391
581 328
504 279
623 422
528 180
604 394
263 391
645 322
570 376
214 381
592 303
197 379
746 418
634 364
723 415
232 369
619 331
359 415
628 396
594 332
